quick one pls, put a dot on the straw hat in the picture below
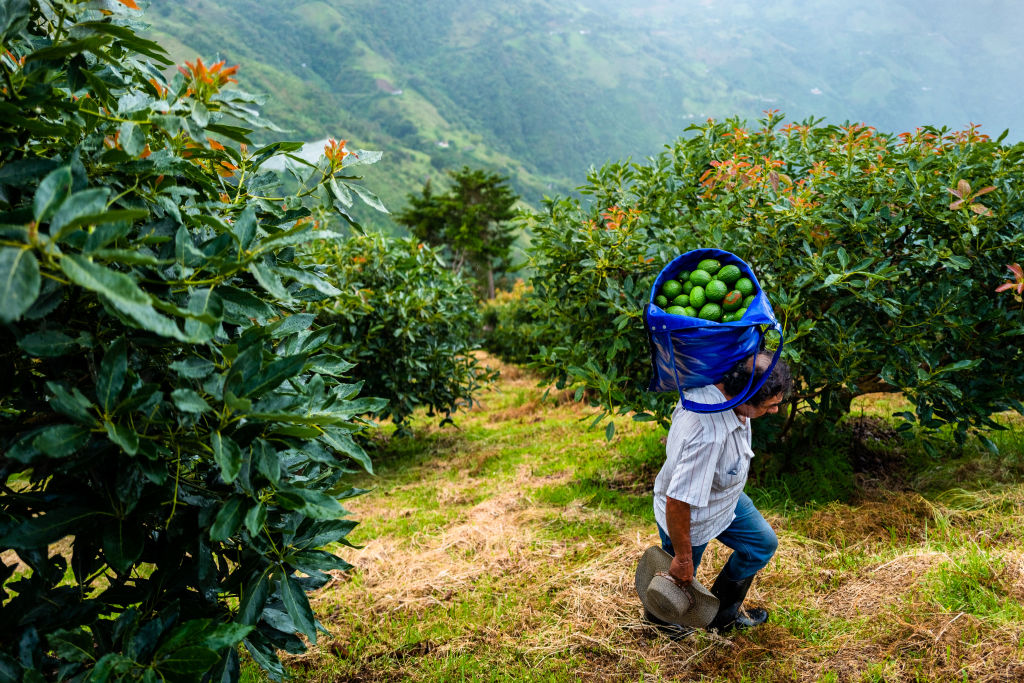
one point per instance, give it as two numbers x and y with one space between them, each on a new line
692 605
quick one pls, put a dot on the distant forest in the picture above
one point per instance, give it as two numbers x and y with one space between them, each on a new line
543 89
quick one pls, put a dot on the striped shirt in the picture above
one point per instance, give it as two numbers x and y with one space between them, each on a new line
706 465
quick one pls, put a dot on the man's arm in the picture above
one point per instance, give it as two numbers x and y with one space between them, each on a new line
677 517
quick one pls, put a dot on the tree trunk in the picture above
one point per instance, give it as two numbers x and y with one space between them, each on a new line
490 282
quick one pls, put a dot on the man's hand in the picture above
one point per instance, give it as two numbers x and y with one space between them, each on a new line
682 567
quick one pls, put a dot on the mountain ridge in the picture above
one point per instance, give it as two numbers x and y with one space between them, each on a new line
543 89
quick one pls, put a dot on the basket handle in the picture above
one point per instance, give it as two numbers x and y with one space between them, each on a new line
744 395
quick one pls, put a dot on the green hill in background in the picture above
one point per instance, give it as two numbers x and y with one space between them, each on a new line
541 89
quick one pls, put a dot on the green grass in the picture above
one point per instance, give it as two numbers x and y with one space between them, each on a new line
974 583
503 548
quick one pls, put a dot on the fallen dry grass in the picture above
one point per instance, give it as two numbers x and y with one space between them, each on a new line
510 587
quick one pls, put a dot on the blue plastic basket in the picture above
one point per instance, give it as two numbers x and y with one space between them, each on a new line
690 352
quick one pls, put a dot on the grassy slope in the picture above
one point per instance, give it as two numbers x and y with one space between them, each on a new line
503 549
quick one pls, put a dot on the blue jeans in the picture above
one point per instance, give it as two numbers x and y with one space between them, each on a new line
751 538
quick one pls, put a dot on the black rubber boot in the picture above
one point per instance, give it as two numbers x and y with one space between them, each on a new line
731 614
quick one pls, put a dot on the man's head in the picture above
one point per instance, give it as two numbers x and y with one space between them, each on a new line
772 393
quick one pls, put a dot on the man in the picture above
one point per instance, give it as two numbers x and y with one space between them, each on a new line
698 495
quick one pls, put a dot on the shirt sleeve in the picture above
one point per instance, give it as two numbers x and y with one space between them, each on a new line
695 469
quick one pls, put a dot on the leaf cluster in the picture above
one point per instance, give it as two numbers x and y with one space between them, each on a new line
407 320
175 430
510 332
881 282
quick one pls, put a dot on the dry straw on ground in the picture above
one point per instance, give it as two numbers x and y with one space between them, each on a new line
848 588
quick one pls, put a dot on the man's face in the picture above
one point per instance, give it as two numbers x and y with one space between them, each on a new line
769 407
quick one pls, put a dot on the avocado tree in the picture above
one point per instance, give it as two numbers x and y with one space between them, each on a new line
408 322
175 432
881 254
471 222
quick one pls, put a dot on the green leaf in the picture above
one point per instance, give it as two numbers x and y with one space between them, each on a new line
958 262
189 401
227 455
132 138
74 646
123 436
60 441
229 518
47 344
81 204
844 258
48 528
200 114
263 653
239 405
110 664
190 662
989 444
72 403
369 197
269 280
128 256
226 635
193 367
333 366
51 193
110 379
241 307
244 227
345 444
255 518
362 406
267 461
19 282
315 504
14 17
609 431
123 543
340 192
122 293
253 597
272 375
960 365
23 170
363 157
236 133
61 51
129 38
297 605
317 560
207 310
291 324
106 232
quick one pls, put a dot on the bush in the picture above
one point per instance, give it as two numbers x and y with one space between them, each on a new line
881 254
408 322
510 331
174 437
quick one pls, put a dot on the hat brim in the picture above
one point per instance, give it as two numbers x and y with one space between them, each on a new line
697 615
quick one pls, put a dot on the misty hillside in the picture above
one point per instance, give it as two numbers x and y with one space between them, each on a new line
542 89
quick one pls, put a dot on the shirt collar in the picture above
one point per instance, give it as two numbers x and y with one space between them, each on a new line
712 394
